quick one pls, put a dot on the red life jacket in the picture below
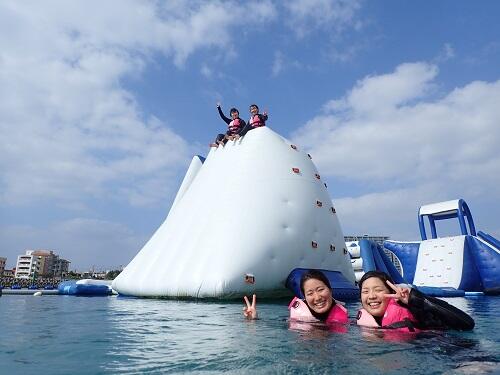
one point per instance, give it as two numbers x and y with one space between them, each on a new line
234 126
300 311
395 316
256 121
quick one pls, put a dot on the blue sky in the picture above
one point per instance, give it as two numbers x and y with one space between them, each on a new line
102 106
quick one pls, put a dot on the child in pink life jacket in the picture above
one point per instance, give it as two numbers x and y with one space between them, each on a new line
256 120
386 305
318 306
234 126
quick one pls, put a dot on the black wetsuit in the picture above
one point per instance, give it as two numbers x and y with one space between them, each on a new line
232 131
433 313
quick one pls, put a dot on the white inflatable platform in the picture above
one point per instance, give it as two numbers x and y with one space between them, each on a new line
242 219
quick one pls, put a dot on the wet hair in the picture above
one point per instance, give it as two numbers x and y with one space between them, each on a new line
313 274
234 110
254 105
378 274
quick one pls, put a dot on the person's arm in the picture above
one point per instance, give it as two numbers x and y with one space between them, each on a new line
432 312
250 310
222 116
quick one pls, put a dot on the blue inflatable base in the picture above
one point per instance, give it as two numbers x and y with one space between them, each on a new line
89 290
343 289
441 292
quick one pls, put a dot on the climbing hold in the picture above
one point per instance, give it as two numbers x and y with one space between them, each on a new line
332 247
333 210
294 147
296 170
310 157
345 251
324 183
317 176
314 245
319 203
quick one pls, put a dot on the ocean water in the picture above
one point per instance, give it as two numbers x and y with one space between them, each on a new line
113 335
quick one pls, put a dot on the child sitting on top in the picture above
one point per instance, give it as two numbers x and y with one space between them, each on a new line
256 120
234 125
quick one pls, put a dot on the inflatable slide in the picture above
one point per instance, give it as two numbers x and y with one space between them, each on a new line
468 263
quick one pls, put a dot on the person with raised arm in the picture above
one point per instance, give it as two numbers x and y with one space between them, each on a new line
234 126
386 305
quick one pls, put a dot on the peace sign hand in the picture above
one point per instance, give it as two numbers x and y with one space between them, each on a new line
402 294
250 310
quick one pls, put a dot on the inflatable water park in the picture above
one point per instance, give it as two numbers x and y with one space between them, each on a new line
253 215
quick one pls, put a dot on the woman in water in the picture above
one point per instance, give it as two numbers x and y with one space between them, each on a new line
318 306
386 305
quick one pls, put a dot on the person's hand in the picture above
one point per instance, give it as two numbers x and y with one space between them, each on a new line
218 104
250 310
236 137
402 294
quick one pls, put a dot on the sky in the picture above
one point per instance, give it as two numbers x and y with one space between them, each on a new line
103 105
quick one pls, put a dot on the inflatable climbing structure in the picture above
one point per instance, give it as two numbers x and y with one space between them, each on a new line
243 219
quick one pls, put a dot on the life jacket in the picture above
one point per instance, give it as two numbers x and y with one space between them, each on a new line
256 121
300 311
234 126
395 317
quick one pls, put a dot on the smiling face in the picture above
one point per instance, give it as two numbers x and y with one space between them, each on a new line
235 115
372 296
254 110
318 295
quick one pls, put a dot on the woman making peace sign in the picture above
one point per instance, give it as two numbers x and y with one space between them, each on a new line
386 305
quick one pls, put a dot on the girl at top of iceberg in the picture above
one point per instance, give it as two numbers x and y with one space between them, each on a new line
386 305
318 306
234 126
256 120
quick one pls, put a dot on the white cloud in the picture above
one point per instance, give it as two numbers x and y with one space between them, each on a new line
447 53
304 16
278 63
67 127
85 242
388 132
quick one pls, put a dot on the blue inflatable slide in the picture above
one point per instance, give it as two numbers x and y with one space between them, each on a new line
459 265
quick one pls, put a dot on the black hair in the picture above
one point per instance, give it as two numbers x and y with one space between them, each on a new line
378 274
313 274
254 105
233 110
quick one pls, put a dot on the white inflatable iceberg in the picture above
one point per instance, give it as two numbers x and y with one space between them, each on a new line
242 220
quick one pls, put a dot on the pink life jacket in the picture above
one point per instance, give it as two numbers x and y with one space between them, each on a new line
395 316
300 311
256 122
234 126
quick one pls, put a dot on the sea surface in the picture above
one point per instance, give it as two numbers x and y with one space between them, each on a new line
114 335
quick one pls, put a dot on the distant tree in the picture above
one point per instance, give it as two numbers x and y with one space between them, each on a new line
111 275
73 275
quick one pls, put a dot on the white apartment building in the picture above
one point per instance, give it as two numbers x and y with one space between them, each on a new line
40 263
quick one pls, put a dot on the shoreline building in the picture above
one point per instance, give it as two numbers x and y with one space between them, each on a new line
378 239
44 263
3 260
